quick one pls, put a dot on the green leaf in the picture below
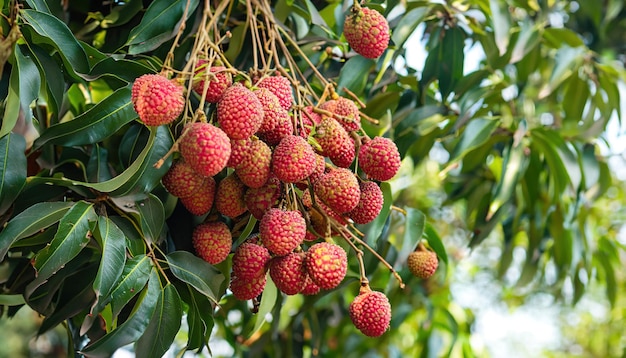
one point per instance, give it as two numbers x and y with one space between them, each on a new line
199 318
72 235
408 24
451 65
98 165
413 229
435 242
121 69
133 327
122 13
12 103
52 75
160 23
113 243
353 74
68 308
164 324
134 276
152 217
501 18
477 132
54 32
268 301
134 241
30 221
375 228
557 37
527 40
11 300
99 122
575 98
12 169
30 81
567 61
198 273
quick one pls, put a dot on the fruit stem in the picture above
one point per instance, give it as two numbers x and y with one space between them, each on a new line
354 97
421 247
399 209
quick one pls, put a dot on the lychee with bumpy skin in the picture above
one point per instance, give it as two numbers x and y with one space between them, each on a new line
245 288
260 200
250 260
272 110
288 272
181 181
310 288
309 119
239 112
217 79
280 87
157 100
334 141
202 200
282 129
367 31
370 312
212 241
327 264
205 147
379 158
370 203
293 159
282 231
422 263
346 112
255 167
339 189
229 196
239 148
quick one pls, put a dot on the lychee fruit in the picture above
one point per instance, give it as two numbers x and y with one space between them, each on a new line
422 263
217 79
157 100
379 158
280 87
346 113
272 110
370 312
212 241
245 288
288 272
366 31
202 200
310 288
181 181
282 231
326 264
335 141
250 260
205 148
282 129
239 112
339 189
370 203
255 167
229 196
309 119
239 148
293 159
260 200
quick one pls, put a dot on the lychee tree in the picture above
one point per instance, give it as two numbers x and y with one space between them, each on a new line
250 171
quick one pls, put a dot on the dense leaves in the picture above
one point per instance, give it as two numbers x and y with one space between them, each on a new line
509 101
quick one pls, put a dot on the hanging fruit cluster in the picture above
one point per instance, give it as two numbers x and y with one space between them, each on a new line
263 143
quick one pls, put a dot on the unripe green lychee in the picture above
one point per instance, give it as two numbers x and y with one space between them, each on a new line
205 148
379 158
282 231
212 241
366 31
157 100
326 264
239 112
422 264
370 312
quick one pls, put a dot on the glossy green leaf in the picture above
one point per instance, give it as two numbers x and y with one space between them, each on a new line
408 24
98 165
52 75
11 300
529 37
375 228
268 301
501 19
199 317
575 98
122 13
134 276
477 132
135 244
113 244
12 169
435 242
72 236
54 32
121 69
99 122
133 327
160 23
353 74
413 228
451 65
69 308
12 103
164 324
152 217
198 273
567 61
30 81
30 221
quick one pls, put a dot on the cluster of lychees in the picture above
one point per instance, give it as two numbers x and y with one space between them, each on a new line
305 172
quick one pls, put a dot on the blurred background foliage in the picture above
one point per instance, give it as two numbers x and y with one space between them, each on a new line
507 115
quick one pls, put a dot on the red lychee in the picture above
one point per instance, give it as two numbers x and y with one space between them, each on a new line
205 147
239 148
280 87
335 142
339 189
282 129
229 196
310 288
181 181
272 110
201 201
370 203
346 113
212 241
157 100
366 31
288 272
379 158
250 260
370 312
239 112
422 263
246 289
260 200
293 159
282 231
217 79
327 264
255 167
